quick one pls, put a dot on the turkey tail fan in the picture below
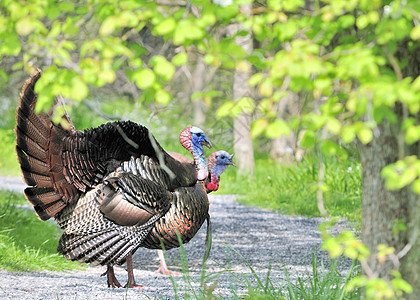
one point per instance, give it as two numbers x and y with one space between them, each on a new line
38 146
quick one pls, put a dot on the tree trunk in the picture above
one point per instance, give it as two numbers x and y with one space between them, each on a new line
284 147
244 150
382 209
198 78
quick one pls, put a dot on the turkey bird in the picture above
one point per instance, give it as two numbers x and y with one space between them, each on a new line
111 189
217 163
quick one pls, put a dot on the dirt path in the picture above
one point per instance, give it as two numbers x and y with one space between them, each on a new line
262 237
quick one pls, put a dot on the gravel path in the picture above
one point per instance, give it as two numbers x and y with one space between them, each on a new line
262 237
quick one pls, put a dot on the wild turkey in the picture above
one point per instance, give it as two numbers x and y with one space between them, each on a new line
217 163
109 188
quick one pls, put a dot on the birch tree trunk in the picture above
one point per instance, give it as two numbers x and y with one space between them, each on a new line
198 78
284 147
243 148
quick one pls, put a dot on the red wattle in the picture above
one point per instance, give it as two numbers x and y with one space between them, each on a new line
212 187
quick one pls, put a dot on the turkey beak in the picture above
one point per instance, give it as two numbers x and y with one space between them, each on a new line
206 143
231 161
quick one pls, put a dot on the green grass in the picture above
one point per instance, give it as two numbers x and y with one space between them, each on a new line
9 165
292 189
26 243
321 283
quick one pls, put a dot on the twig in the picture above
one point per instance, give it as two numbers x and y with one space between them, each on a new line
101 113
321 174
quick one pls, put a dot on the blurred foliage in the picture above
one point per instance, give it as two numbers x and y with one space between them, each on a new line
300 47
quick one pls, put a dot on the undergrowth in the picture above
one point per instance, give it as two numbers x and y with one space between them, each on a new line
9 165
292 189
26 243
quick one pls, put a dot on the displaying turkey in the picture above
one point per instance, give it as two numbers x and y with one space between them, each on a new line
217 163
111 189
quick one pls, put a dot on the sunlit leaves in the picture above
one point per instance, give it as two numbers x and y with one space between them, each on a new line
277 128
79 89
402 173
345 243
235 108
166 26
255 79
162 67
163 97
144 78
180 59
258 126
370 18
308 139
25 25
185 31
415 33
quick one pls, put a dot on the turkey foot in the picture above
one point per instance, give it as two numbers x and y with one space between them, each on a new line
110 277
163 267
131 283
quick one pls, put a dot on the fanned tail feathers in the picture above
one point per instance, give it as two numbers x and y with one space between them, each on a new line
38 148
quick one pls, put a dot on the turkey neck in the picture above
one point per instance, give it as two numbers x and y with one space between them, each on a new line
200 161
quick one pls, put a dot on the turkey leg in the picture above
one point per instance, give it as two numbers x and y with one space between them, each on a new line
163 267
110 276
131 283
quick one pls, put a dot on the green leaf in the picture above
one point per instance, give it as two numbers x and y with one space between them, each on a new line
329 147
55 29
308 139
407 177
11 46
277 128
362 21
180 59
255 79
164 69
266 88
79 89
108 26
163 97
144 78
25 25
416 186
225 109
258 126
415 33
186 30
401 284
166 26
365 135
412 134
348 134
107 76
245 104
334 126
